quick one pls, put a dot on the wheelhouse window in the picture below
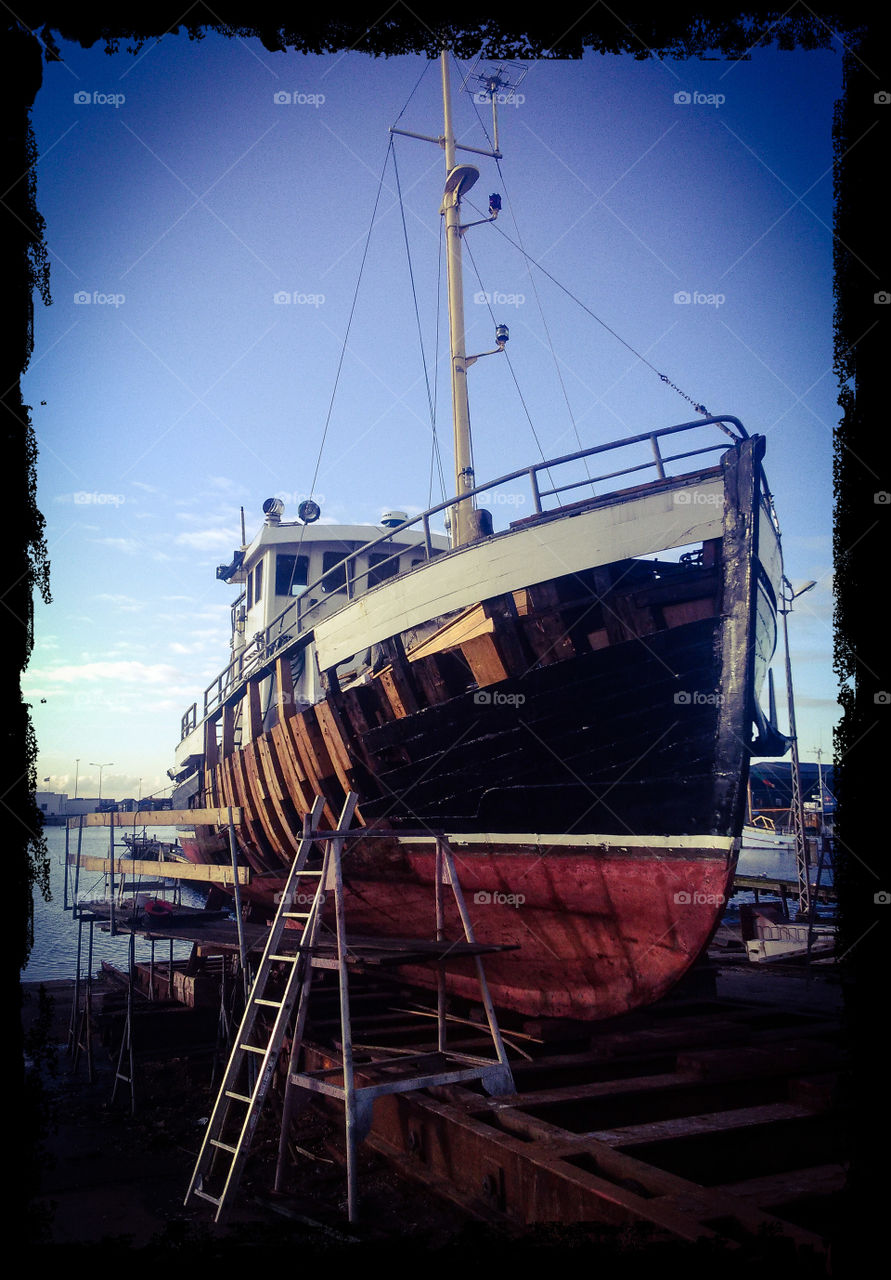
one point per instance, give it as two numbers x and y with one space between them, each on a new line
337 581
378 571
254 585
291 574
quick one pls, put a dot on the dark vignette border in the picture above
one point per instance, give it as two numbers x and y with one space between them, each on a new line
31 35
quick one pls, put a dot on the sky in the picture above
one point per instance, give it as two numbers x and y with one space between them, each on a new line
189 189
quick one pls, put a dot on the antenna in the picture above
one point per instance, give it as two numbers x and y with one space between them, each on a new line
496 87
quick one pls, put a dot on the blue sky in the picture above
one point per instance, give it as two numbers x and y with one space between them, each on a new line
182 194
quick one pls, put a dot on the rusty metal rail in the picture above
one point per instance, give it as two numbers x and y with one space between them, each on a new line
712 1119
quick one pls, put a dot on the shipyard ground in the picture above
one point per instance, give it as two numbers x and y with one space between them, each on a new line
114 1182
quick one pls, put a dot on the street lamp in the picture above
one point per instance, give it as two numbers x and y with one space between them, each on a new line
100 767
76 772
797 808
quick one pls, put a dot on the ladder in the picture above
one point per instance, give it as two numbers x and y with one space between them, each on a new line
255 1053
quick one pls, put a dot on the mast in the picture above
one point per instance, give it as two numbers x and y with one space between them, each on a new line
457 181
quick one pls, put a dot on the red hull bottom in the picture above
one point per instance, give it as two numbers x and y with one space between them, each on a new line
599 930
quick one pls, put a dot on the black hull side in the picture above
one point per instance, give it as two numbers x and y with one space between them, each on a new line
617 741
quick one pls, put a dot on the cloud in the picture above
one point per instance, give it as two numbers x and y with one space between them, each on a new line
127 604
132 673
206 539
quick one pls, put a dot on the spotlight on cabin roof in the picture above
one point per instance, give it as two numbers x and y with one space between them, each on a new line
309 511
392 519
272 510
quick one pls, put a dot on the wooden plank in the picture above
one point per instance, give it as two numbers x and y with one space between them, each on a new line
676 615
274 829
545 632
691 1126
227 746
252 714
333 733
508 637
251 805
284 688
431 680
397 680
304 748
211 753
159 818
784 1188
169 870
484 660
470 624
267 760
295 780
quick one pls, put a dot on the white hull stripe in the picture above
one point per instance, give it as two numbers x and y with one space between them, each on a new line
522 557
622 844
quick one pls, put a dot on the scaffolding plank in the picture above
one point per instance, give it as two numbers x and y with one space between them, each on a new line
171 870
158 818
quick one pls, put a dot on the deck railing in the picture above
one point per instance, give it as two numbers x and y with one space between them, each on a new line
295 623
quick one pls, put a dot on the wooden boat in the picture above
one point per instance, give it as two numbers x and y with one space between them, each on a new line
572 699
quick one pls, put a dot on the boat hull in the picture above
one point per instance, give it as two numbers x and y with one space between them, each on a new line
595 929
613 705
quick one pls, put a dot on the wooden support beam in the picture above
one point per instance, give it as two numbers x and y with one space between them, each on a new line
251 712
228 743
159 818
169 870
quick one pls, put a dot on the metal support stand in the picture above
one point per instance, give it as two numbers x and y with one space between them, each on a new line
127 1038
388 1074
280 997
80 1026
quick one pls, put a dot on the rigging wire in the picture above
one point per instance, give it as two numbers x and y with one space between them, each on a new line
435 456
377 198
430 399
663 377
700 408
541 313
509 363
380 187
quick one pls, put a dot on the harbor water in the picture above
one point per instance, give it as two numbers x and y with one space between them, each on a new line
54 954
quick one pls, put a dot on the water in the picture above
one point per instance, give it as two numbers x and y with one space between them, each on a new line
54 954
